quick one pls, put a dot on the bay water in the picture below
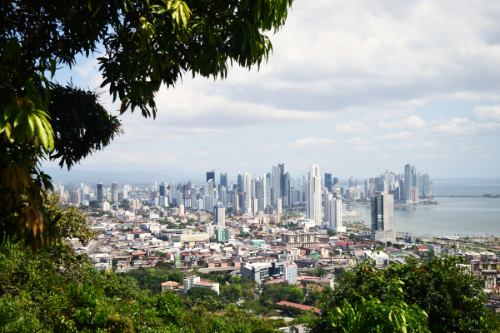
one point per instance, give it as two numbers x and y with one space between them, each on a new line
474 216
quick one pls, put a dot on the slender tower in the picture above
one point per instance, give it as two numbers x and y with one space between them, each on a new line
313 200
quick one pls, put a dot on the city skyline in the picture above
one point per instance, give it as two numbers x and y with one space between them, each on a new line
340 90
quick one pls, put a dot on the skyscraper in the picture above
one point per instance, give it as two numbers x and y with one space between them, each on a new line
335 181
262 192
99 193
334 218
239 187
313 195
223 180
383 218
74 197
281 170
114 191
247 190
211 175
328 181
220 216
162 189
408 183
210 187
267 189
278 207
426 186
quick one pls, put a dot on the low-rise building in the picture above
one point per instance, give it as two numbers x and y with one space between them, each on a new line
259 271
169 285
222 235
379 258
195 282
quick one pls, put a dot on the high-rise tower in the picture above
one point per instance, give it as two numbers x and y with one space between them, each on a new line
328 181
162 189
223 180
220 216
383 218
408 183
99 193
334 218
114 191
247 190
211 175
313 195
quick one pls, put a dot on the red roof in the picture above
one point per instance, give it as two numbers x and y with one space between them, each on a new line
299 306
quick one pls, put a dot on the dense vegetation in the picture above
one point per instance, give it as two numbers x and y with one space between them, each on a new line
143 44
55 290
452 298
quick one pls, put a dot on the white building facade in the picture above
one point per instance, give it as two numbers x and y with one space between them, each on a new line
334 217
313 195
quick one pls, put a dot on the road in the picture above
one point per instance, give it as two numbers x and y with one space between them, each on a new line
93 246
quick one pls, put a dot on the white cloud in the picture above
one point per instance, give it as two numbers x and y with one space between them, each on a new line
487 113
393 136
411 122
425 155
357 143
486 157
89 69
400 145
202 153
468 147
312 143
352 127
385 156
428 144
463 127
339 67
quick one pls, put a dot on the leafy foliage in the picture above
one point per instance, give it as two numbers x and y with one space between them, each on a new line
392 315
451 297
56 290
147 43
81 125
151 278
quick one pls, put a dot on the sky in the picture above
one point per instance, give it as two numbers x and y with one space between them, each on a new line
357 87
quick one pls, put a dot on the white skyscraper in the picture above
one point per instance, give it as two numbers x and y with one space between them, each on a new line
247 189
255 206
210 187
313 196
326 208
114 191
335 215
279 206
220 216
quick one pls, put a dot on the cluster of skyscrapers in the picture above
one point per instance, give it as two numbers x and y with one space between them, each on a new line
407 187
270 192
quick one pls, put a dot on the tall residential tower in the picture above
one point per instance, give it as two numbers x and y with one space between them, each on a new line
383 218
313 195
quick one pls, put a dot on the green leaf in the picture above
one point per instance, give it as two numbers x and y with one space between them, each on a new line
19 118
42 135
52 68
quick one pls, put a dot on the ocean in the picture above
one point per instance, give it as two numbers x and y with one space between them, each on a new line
476 216
452 216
